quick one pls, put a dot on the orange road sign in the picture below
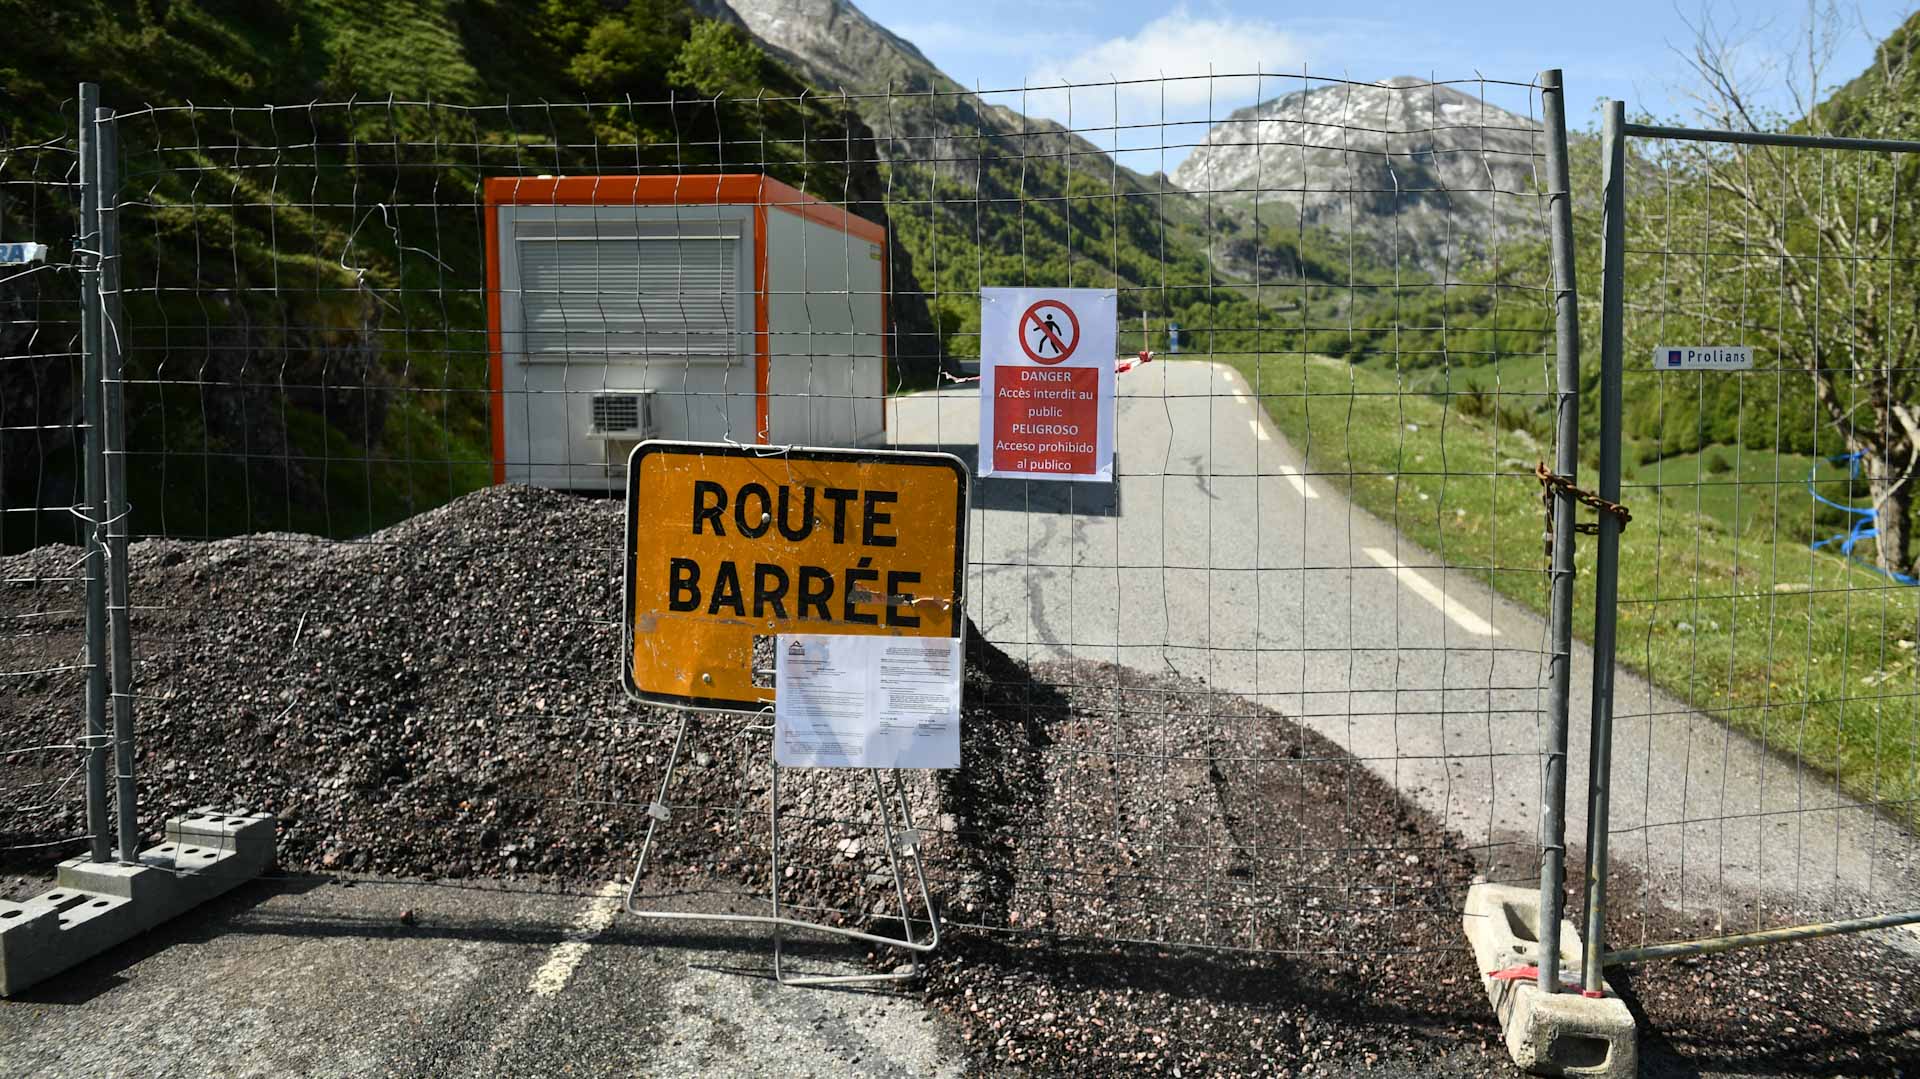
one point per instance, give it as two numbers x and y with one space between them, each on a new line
727 543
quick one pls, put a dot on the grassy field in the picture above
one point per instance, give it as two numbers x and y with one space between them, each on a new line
1722 603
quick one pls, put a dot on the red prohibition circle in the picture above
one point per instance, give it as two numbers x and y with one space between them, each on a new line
1031 315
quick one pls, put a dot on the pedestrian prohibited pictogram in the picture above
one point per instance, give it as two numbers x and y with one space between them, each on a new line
1046 383
1049 331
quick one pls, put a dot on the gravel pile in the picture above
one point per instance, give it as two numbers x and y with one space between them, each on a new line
441 700
1166 813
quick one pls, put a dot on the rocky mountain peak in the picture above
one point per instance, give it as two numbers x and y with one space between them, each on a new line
1392 159
838 46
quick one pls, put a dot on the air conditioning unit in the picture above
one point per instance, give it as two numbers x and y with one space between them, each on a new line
619 422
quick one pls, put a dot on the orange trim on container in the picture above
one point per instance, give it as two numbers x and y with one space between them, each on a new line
715 188
496 373
712 188
762 365
886 328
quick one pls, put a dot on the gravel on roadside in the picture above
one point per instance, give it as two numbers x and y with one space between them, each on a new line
1140 873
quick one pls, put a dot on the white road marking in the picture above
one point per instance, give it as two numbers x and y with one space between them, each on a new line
1299 482
1426 590
1240 397
598 914
1259 431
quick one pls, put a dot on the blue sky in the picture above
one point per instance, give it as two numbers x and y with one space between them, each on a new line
1608 48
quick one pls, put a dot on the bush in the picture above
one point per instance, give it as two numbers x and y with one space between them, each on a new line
718 60
1472 402
621 50
1825 516
1717 462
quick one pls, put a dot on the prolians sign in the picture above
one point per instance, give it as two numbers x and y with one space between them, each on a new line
727 543
1703 358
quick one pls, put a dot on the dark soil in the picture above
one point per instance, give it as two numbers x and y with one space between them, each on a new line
1174 880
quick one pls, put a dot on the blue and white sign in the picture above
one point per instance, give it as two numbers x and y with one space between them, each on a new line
1703 358
17 254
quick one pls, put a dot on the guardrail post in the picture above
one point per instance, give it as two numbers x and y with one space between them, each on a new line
1606 573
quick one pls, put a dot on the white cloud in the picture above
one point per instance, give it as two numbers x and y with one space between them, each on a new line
1179 44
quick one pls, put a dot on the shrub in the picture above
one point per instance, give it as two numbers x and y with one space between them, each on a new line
719 60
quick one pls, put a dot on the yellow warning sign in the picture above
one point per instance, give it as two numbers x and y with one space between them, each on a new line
727 543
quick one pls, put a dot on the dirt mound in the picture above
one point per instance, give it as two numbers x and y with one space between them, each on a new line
439 699
442 699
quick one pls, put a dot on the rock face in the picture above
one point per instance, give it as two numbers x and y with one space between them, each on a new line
1420 174
1396 161
916 111
836 45
929 129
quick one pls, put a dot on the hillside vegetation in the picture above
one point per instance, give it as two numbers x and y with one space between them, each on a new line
305 316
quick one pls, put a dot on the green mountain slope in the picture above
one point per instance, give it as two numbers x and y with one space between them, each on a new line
306 339
985 196
305 315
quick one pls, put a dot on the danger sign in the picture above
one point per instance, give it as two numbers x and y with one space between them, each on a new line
1046 383
729 543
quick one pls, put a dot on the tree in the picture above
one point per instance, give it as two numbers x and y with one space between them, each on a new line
718 59
631 48
1812 249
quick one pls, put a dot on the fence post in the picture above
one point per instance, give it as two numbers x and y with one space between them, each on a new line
93 465
114 458
1606 573
1566 438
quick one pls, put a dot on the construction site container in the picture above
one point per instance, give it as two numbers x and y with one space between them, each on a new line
712 307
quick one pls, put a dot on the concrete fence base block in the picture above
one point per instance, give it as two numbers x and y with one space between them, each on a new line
1562 1033
94 906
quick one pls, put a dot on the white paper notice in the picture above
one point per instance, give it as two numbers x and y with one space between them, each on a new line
846 701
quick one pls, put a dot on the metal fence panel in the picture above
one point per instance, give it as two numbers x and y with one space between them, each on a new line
1279 688
45 668
1772 630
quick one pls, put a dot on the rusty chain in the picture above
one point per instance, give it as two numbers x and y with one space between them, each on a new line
1551 481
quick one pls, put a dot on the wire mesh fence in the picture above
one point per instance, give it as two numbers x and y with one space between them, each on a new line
44 664
1766 582
1279 687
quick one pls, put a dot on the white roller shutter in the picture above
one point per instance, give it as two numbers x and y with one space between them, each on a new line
628 290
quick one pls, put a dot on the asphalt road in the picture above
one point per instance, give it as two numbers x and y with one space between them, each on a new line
1217 554
351 978
325 978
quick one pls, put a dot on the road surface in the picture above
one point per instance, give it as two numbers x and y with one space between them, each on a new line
330 978
1218 554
